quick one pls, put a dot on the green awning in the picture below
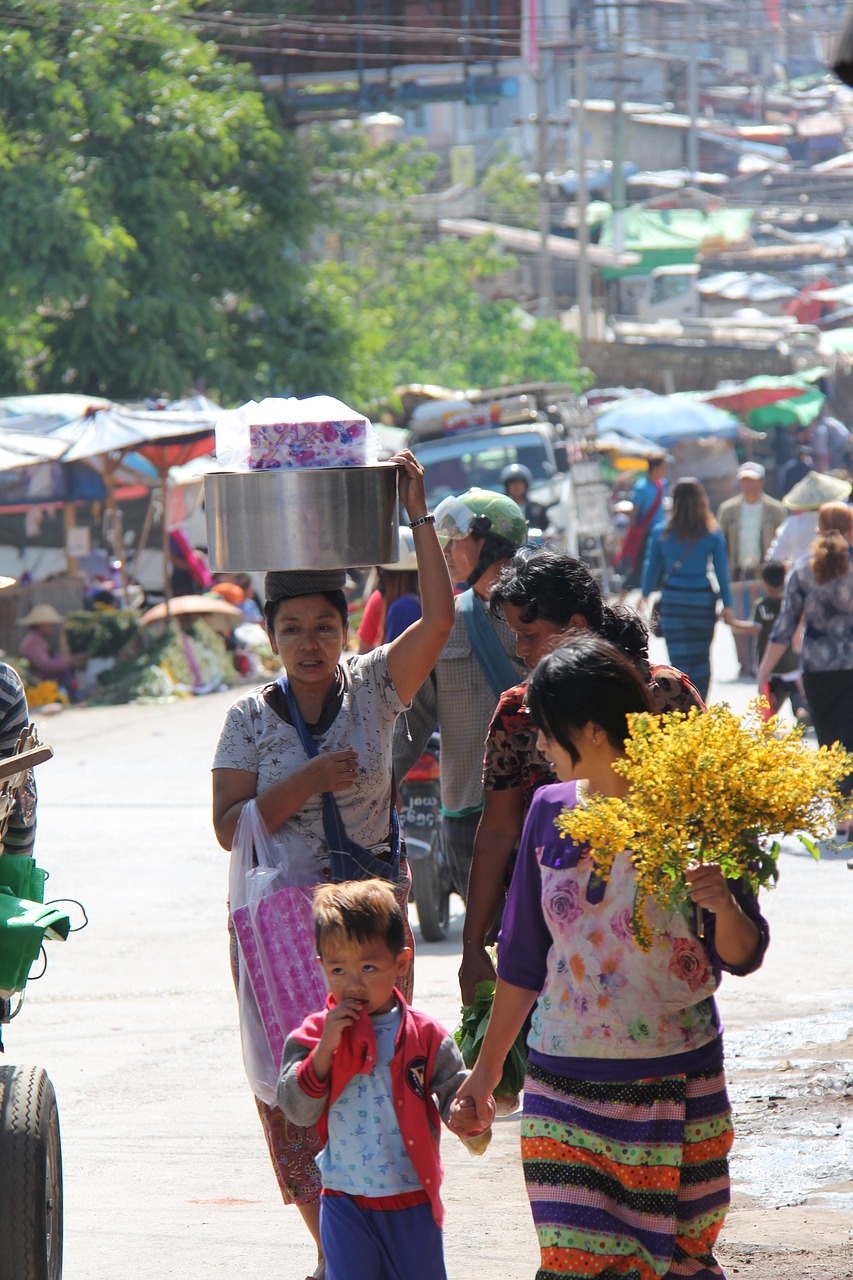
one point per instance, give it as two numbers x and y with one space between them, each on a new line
799 412
664 237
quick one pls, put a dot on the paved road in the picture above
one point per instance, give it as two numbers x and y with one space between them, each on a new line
165 1170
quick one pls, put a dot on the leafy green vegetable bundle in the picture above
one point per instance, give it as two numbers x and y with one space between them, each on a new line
469 1037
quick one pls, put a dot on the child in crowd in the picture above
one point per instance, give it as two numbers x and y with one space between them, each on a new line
785 681
365 1070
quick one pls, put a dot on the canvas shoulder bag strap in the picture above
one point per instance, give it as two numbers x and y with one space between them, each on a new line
487 648
679 562
349 860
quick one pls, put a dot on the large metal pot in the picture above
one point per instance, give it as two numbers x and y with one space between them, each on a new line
323 518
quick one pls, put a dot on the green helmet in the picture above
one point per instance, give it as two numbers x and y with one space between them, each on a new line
454 517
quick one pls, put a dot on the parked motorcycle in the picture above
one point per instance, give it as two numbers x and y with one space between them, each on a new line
420 816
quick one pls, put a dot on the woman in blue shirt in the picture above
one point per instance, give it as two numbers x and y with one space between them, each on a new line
677 561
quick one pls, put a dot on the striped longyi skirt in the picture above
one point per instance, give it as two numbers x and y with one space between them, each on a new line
627 1180
687 620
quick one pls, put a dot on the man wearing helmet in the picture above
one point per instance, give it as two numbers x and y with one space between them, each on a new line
516 480
482 531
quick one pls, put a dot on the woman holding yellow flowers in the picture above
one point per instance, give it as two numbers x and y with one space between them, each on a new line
627 1125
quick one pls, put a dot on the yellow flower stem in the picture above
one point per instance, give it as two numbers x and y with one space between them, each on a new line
698 917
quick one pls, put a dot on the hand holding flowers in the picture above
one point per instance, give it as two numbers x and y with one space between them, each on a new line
709 796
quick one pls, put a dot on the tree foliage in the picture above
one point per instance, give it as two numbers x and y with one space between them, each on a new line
509 195
419 308
161 229
152 212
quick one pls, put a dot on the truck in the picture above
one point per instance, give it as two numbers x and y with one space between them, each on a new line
466 441
680 291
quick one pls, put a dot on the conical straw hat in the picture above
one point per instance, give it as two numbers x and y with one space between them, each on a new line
40 615
814 490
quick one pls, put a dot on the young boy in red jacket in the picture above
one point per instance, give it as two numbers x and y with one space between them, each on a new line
365 1070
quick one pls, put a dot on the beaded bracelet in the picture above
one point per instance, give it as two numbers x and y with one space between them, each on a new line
423 520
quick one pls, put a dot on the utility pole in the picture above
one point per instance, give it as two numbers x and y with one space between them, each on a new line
582 275
692 91
617 182
546 267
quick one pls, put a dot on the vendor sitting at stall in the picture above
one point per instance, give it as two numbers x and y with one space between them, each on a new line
39 648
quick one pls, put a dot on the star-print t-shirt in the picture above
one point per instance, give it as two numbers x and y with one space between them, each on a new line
365 1154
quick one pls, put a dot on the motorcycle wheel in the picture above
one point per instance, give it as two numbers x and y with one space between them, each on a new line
30 1176
432 897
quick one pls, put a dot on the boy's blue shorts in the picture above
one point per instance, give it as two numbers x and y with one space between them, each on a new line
380 1244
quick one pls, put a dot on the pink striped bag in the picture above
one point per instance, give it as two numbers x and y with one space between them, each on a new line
278 955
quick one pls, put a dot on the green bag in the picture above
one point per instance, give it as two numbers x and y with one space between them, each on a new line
23 927
20 876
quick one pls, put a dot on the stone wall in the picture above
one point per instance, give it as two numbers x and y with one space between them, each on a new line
665 368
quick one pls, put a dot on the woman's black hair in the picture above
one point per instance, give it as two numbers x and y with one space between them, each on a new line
589 680
336 598
556 587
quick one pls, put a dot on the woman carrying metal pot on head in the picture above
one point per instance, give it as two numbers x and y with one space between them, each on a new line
347 705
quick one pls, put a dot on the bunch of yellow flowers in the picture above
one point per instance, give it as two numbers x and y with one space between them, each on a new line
713 787
44 693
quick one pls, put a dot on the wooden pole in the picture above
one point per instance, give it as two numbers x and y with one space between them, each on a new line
72 566
111 463
164 499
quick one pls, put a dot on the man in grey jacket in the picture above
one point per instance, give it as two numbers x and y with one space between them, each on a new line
748 523
483 531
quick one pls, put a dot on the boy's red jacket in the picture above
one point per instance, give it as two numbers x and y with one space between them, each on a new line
426 1061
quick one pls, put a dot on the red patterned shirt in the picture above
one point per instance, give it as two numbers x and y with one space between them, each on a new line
512 758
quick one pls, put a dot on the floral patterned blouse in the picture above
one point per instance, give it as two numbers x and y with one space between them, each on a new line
828 611
512 758
605 1007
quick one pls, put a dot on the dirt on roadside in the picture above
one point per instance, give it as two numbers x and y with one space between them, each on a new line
793 1159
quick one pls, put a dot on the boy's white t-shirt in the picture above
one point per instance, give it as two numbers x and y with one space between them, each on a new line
365 1154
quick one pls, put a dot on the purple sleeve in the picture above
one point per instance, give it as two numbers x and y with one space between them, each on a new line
748 903
525 940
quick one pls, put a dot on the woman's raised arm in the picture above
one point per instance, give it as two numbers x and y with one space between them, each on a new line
413 655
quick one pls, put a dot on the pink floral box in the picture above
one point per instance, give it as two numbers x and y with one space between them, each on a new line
280 445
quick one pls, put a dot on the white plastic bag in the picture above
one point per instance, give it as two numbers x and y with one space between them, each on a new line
289 433
280 981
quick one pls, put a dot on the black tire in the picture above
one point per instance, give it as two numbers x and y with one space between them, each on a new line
432 898
30 1176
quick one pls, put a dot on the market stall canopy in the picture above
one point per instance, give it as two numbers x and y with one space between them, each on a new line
754 393
658 237
664 420
626 446
64 405
797 411
750 287
23 448
167 437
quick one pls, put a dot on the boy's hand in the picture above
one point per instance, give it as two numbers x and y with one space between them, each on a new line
337 1020
708 888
